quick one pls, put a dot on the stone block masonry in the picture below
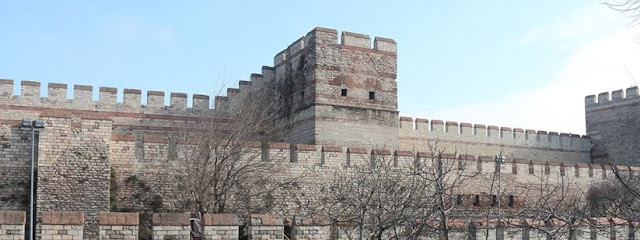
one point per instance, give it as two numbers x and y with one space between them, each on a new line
221 226
340 103
12 225
118 225
311 228
479 139
263 226
62 225
612 122
172 226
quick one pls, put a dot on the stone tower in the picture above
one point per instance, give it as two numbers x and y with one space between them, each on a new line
612 123
339 93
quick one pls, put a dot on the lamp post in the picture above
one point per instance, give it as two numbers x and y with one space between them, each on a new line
33 125
499 161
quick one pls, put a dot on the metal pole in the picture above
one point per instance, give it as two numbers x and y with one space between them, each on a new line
499 190
499 161
33 142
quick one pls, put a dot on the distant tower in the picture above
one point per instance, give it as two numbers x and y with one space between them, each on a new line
613 125
339 93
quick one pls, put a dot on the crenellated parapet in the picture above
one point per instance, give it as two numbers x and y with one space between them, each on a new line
327 158
31 95
481 139
611 120
256 84
615 97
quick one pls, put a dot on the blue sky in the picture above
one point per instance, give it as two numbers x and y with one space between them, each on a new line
510 63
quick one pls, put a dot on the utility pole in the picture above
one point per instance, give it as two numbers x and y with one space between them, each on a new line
499 161
33 125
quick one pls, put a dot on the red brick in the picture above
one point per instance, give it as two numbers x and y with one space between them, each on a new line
331 149
220 220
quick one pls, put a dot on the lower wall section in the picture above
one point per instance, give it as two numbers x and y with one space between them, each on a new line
118 225
263 226
62 225
69 225
171 226
12 225
221 226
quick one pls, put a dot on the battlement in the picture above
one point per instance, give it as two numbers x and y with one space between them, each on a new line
30 94
609 98
328 36
490 134
331 158
611 120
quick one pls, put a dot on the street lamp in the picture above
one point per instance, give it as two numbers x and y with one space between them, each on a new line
499 161
33 125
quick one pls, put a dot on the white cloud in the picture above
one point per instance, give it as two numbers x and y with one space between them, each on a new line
595 67
600 46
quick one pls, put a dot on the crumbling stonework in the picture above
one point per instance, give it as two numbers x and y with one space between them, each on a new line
5 133
73 168
15 165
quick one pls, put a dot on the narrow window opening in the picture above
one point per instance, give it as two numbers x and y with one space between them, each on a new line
476 200
343 92
511 201
372 95
531 170
547 169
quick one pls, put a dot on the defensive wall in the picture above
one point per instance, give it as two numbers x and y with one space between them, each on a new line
479 139
311 75
330 91
124 225
99 155
611 120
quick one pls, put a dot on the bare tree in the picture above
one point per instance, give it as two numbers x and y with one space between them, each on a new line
377 199
400 200
444 175
629 8
555 207
619 197
223 163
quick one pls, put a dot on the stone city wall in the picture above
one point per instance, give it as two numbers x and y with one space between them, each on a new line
115 225
12 225
62 225
171 226
262 226
221 226
612 120
118 225
478 139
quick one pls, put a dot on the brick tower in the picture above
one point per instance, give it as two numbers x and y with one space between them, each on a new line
339 93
